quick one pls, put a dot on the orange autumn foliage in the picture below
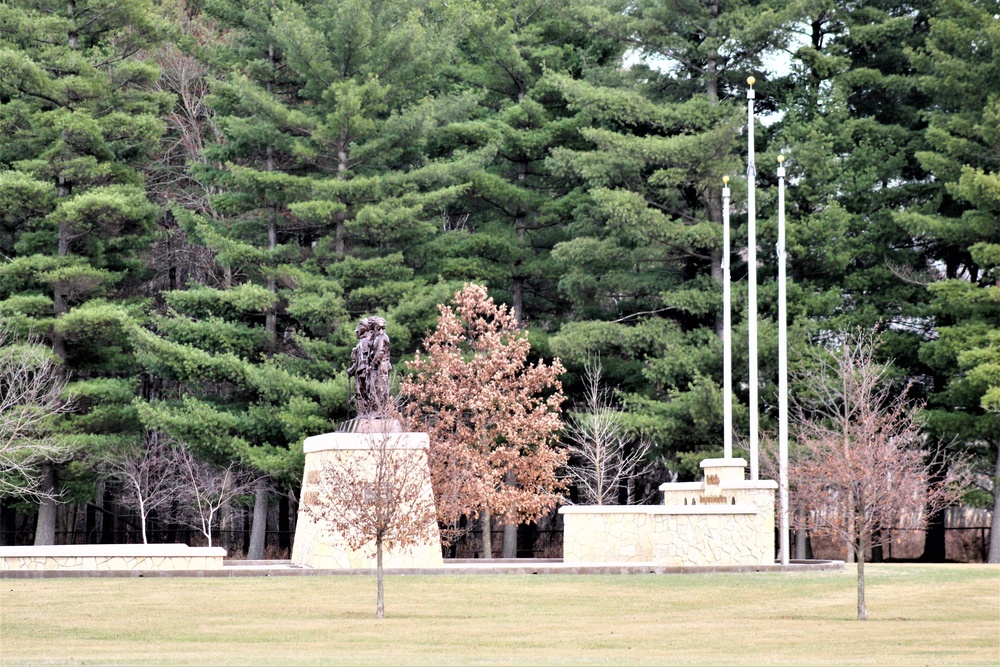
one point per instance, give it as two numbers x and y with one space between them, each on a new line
493 417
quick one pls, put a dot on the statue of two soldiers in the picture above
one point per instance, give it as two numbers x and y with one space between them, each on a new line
370 368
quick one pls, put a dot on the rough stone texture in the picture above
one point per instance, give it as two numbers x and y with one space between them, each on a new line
723 520
524 566
319 546
119 557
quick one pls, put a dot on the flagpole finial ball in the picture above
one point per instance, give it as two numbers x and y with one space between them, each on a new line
725 179
751 80
781 159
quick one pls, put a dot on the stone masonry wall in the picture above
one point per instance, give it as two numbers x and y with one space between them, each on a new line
723 520
317 545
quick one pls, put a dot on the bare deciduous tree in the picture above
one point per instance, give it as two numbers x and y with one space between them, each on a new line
861 471
602 455
151 477
379 497
208 489
31 395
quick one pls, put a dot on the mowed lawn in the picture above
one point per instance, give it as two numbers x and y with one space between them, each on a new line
918 615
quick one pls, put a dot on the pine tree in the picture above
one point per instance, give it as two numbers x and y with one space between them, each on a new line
79 114
959 72
643 268
316 108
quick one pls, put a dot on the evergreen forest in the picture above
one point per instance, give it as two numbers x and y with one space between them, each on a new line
200 199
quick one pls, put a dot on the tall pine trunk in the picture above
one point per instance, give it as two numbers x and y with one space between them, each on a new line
258 530
994 554
45 527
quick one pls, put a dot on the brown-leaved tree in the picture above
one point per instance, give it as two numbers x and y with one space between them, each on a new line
861 471
493 417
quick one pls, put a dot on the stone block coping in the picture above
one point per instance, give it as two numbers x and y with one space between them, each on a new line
659 509
723 463
746 484
112 551
749 484
363 441
683 486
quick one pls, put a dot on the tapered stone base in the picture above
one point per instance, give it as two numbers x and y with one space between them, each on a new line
317 545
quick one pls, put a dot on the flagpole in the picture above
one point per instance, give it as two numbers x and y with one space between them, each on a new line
727 329
752 284
782 369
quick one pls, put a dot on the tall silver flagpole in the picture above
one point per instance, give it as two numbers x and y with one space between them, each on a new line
752 283
727 329
782 369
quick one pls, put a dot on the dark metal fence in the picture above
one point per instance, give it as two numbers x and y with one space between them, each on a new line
967 535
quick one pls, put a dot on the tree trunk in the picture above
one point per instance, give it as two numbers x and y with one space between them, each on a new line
271 314
59 306
8 521
94 514
380 604
520 220
258 531
862 608
509 541
517 294
72 39
142 517
284 524
509 549
994 554
800 544
852 541
107 523
225 527
877 555
45 527
487 525
934 539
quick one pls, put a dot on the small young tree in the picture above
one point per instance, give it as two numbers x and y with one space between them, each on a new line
599 444
207 489
859 472
377 497
492 416
31 395
151 477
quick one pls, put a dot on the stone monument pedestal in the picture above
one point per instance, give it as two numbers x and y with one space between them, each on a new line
317 545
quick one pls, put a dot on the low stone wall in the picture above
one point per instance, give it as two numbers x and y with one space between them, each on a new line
722 520
96 557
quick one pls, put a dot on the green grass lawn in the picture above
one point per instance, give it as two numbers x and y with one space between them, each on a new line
918 615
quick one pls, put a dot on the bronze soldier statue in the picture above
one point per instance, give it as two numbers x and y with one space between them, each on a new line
370 368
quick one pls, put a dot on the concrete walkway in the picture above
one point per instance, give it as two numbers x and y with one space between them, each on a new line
284 568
